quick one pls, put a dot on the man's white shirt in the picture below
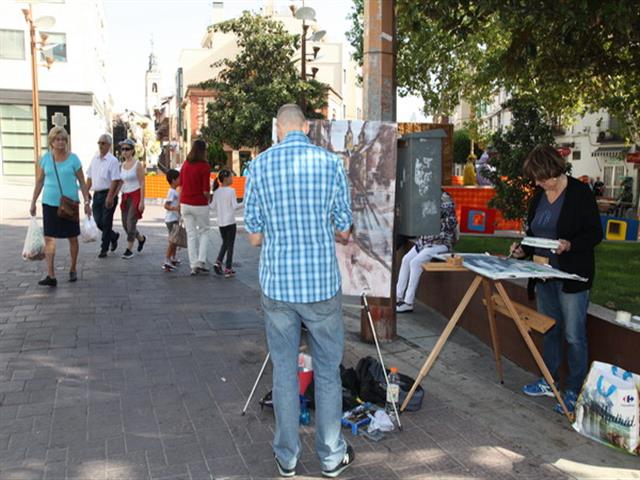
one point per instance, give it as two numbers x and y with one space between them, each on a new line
102 171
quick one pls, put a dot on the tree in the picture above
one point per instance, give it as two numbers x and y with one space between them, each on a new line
250 87
572 56
528 129
462 146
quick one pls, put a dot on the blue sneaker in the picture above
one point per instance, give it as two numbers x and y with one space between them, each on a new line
539 388
570 398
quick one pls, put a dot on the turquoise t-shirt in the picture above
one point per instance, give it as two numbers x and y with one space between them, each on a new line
67 173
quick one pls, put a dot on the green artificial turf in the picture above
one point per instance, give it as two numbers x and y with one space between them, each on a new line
617 282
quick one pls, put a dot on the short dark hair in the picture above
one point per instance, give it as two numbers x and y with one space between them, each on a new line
172 175
544 162
198 152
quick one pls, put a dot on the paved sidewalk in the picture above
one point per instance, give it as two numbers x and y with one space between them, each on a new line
134 373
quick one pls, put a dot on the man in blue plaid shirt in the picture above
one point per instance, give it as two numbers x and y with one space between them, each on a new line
297 204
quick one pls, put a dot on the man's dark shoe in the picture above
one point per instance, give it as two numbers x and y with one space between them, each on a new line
114 241
102 254
284 472
127 254
48 282
73 277
348 459
141 243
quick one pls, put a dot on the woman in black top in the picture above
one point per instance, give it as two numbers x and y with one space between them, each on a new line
562 208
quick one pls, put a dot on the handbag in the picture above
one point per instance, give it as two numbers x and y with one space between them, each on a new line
178 236
68 209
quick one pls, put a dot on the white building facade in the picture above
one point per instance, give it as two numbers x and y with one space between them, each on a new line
75 87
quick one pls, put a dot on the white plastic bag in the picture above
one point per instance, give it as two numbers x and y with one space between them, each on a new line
33 248
608 407
89 230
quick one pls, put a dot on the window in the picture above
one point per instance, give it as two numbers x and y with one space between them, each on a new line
12 44
16 138
575 155
154 87
55 47
344 75
613 175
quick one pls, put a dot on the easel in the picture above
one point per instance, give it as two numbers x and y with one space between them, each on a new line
501 303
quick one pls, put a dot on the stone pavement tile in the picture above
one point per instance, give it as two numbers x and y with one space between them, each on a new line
22 473
171 471
90 470
55 471
183 453
142 441
33 409
199 471
173 420
56 455
128 472
9 412
232 467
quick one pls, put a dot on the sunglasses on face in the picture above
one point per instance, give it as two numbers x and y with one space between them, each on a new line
126 149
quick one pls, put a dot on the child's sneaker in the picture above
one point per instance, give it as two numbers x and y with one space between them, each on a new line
539 388
229 272
217 267
168 267
570 398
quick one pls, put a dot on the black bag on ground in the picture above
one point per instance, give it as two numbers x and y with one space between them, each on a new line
373 388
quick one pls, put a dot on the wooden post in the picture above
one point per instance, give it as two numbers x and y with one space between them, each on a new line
491 315
379 90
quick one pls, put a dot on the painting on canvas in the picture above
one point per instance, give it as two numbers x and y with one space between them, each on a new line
368 150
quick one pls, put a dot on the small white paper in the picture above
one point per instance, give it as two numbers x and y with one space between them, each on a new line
538 242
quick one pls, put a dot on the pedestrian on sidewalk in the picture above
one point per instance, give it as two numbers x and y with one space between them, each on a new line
225 203
195 196
103 177
172 218
562 208
425 248
132 202
297 204
60 174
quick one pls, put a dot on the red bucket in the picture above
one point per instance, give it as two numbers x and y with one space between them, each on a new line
304 379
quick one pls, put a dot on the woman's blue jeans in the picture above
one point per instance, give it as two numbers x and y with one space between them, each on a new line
323 321
569 310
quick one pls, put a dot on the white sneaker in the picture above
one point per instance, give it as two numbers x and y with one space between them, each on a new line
404 308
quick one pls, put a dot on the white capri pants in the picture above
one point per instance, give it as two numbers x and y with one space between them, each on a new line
411 269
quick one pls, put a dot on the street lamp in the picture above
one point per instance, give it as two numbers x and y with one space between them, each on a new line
41 22
307 13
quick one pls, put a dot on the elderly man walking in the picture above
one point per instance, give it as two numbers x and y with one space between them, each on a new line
103 177
297 206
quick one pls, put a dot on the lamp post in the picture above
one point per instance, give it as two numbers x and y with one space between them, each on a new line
306 13
42 22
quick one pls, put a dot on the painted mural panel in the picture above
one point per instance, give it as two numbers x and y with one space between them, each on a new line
368 150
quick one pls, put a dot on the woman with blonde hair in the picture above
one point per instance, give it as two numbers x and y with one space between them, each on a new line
60 174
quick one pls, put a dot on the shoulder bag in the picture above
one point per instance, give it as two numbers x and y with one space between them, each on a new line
69 209
178 235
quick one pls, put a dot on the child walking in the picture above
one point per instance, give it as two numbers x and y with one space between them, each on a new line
224 200
172 218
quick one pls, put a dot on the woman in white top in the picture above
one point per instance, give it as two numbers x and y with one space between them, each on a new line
132 204
224 200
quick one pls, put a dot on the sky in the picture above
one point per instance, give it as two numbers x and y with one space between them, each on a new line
175 25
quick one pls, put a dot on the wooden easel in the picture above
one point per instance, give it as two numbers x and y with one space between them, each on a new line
501 303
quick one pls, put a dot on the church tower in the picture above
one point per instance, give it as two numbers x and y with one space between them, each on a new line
152 84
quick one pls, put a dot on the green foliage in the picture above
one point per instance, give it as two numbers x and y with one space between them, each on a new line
462 145
529 128
216 155
571 55
252 86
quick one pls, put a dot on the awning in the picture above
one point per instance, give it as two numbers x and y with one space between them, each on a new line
611 152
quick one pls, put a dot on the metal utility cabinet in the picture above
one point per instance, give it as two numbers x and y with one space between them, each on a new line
419 174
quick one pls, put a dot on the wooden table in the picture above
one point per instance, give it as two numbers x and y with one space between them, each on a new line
500 302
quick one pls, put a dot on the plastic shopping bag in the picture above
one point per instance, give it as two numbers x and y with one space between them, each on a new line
608 407
33 248
89 231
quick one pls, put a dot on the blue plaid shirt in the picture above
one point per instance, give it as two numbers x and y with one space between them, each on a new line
297 196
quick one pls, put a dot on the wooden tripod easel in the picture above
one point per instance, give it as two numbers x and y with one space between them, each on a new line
500 302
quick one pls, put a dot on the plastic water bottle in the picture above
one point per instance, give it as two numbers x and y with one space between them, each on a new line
305 415
393 393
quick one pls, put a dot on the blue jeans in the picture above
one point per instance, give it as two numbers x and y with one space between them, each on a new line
323 320
569 310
